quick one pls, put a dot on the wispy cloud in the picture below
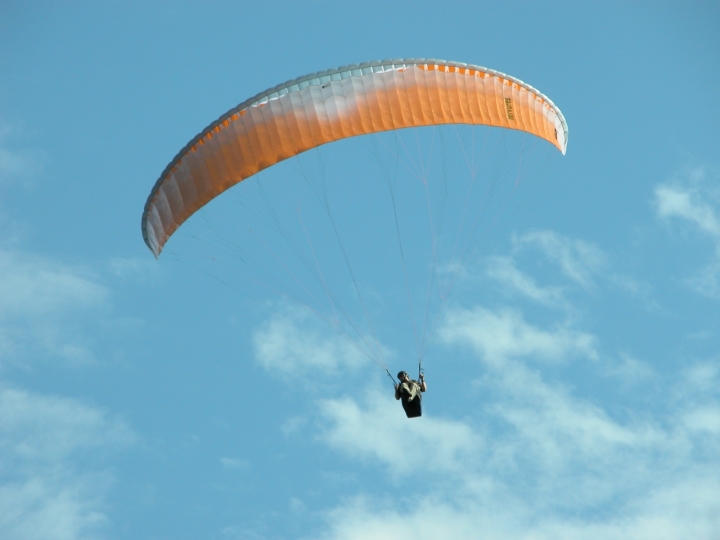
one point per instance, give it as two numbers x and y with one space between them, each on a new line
689 203
504 334
17 164
630 370
505 271
133 269
32 286
578 260
693 198
706 281
581 265
234 464
292 343
39 301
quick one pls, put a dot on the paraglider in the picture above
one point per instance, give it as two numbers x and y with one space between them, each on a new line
410 392
308 112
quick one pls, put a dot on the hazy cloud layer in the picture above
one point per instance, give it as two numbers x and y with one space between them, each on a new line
51 454
553 459
688 508
54 451
535 457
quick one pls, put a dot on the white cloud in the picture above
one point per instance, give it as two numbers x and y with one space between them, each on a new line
504 270
381 431
705 419
580 261
49 490
688 508
497 336
285 346
563 433
560 431
687 203
360 519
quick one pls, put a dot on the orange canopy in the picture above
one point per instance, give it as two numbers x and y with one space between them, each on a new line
331 105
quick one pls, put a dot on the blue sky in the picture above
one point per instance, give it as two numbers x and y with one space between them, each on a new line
574 367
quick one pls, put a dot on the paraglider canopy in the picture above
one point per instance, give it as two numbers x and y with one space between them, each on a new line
331 105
